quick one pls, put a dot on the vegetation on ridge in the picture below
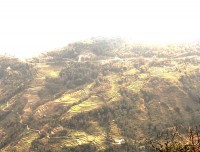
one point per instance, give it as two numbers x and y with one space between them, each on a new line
98 95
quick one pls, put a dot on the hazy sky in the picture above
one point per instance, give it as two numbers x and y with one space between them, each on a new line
31 26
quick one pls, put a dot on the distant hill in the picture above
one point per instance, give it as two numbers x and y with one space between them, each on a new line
98 95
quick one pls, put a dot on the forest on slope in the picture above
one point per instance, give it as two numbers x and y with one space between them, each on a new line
98 95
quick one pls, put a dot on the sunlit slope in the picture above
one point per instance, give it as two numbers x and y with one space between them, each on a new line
93 101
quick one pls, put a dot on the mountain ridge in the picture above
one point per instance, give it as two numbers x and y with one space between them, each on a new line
101 95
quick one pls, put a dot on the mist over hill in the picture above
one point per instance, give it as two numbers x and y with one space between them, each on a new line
99 94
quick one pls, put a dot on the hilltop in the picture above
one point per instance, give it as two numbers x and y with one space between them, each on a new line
98 95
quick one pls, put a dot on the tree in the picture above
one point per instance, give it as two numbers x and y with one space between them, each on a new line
175 142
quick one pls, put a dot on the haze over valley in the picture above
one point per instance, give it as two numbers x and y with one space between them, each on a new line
30 28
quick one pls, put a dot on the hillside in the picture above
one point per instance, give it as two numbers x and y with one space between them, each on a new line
98 95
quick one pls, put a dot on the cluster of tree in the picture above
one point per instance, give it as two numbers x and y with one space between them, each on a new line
72 76
191 85
38 146
14 76
14 129
77 74
10 121
174 141
97 46
172 50
14 66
